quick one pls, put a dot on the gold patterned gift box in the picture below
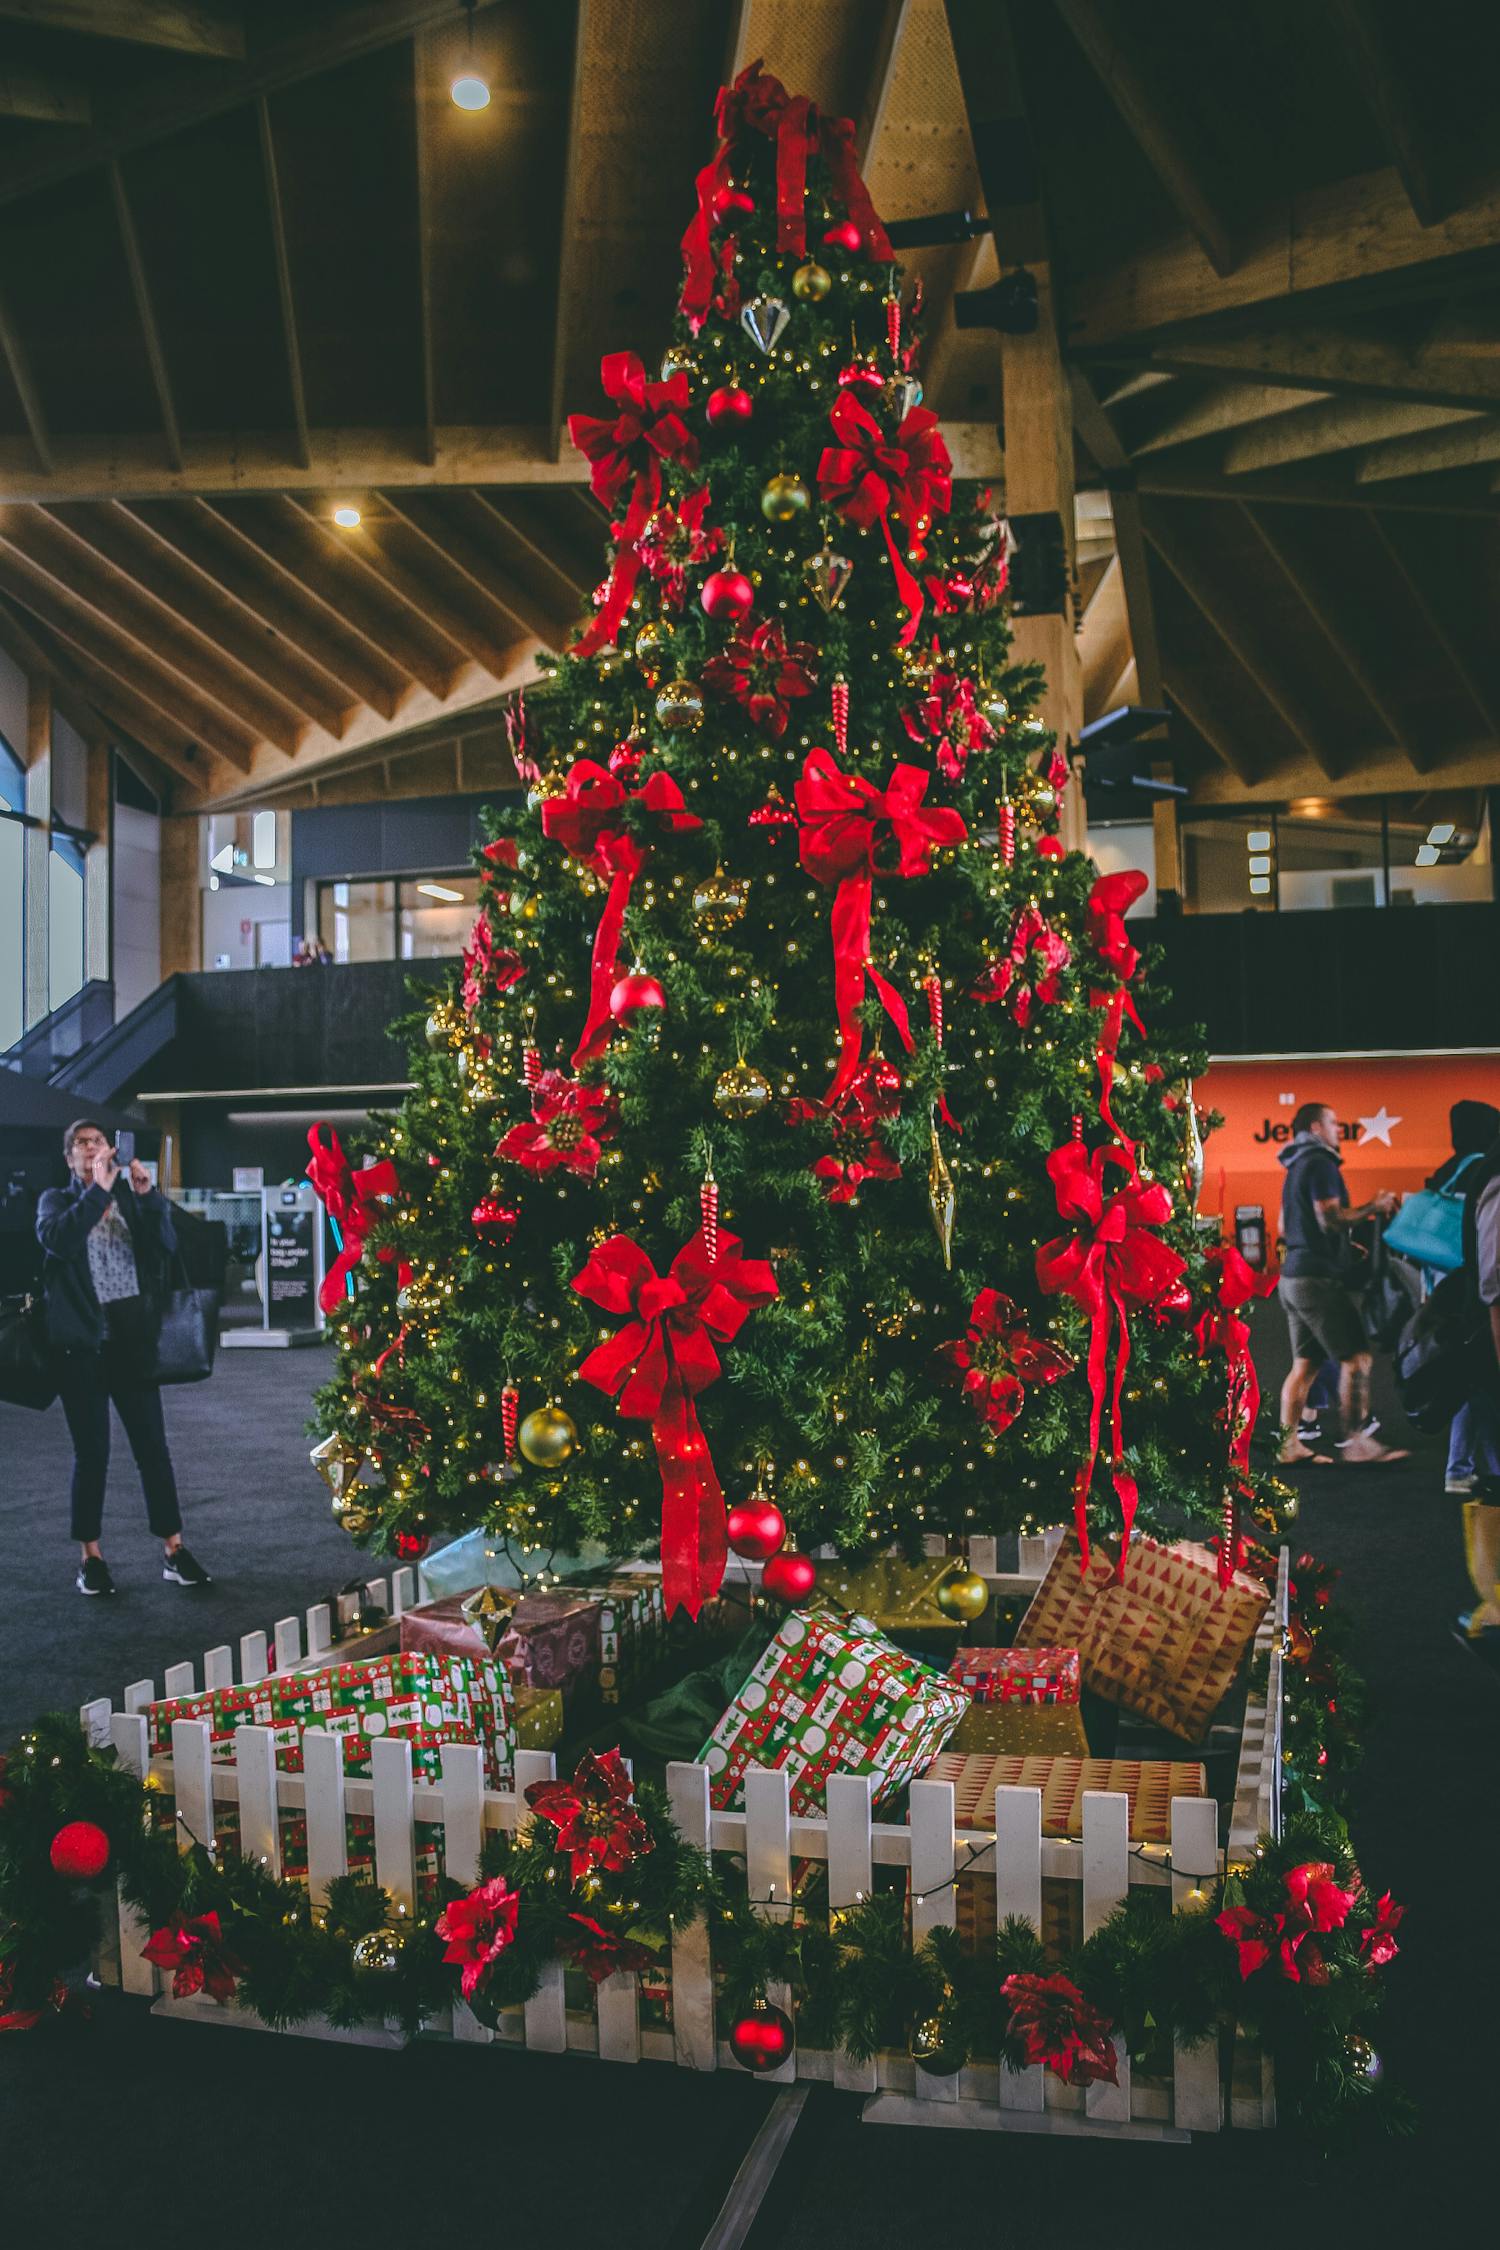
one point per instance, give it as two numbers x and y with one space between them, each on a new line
539 1718
900 1597
1022 1730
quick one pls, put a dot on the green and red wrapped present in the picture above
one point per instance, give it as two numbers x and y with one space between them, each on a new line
1017 1675
831 1695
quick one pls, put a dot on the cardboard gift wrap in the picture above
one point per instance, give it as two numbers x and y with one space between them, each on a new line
539 1718
831 1695
443 1628
1165 1643
896 1596
553 1642
1022 1730
1017 1675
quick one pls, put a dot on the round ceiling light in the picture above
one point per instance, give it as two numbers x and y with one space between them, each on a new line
347 517
470 91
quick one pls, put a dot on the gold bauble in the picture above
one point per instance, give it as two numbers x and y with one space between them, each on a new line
679 707
358 1522
377 1949
742 1091
652 646
438 1031
935 2048
337 1462
811 282
552 783
720 899
964 1595
678 357
783 497
994 707
547 1437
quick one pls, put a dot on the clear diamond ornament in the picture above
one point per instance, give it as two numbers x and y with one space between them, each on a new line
764 320
902 393
828 575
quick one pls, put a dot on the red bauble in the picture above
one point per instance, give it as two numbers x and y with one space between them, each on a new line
959 588
632 994
1050 847
729 407
495 1219
845 236
757 1528
762 2038
625 760
860 375
410 1546
727 596
730 205
80 1851
789 1578
1174 1307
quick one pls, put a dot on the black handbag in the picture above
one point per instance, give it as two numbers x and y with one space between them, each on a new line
189 1333
27 1363
1385 1304
1445 1355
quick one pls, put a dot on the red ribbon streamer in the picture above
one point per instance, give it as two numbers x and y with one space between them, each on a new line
657 1364
1221 1327
1110 1262
631 445
587 822
869 478
350 1199
1119 1009
851 832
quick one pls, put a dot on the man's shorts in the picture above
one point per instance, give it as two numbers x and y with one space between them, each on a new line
1323 1317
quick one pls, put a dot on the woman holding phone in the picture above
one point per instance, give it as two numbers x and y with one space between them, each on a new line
107 1236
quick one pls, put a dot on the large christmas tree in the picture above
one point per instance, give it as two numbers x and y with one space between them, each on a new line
797 1114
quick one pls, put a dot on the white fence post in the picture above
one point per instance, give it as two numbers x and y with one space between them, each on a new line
218 1667
463 1838
395 1821
1196 2103
403 1585
253 1655
546 2010
319 1629
1018 1890
327 1829
693 2039
193 1782
139 1694
768 1868
377 1595
95 1718
260 1830
851 1878
984 1555
287 1637
178 1680
129 1736
932 1887
1106 1884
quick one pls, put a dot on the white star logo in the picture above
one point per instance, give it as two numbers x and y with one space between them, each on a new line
1378 1127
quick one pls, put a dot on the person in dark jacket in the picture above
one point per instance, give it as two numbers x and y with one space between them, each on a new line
1473 1128
1322 1312
106 1237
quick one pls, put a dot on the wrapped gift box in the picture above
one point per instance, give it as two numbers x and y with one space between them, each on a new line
895 1596
1165 1643
1022 1730
1017 1675
539 1718
443 1628
831 1695
632 1631
553 1642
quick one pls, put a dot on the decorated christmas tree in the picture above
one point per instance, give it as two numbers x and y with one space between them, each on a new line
796 1140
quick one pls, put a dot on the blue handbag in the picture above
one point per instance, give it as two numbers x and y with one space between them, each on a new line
1429 1227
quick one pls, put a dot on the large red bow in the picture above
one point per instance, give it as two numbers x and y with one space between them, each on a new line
631 445
869 478
757 102
1109 900
350 1199
657 1364
1110 1262
852 832
587 821
1222 1327
1028 972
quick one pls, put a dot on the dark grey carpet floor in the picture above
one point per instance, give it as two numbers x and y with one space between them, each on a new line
230 2137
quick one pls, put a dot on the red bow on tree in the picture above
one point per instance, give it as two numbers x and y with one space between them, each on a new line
846 1179
195 1954
1111 1261
594 1815
999 1357
851 832
1059 2029
1028 973
476 1930
657 1364
759 103
948 716
350 1199
487 966
628 449
587 821
1221 1327
759 671
1109 900
869 478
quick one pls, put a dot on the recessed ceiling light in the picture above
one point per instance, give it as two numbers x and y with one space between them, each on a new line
1428 855
1441 832
347 517
442 891
469 91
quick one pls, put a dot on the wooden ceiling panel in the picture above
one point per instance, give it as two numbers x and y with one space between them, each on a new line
67 287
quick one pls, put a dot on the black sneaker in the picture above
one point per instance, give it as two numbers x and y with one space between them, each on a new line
180 1569
93 1576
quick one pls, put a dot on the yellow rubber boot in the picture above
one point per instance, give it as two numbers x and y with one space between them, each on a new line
1482 1553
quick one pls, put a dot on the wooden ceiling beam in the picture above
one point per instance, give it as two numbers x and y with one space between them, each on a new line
1228 622
145 313
42 99
435 588
1420 597
1386 95
1225 744
291 344
421 181
18 361
1474 441
131 468
1116 58
1335 361
184 30
1354 238
160 732
452 548
30 646
876 104
1101 438
1183 484
1231 406
569 261
1130 546
1340 425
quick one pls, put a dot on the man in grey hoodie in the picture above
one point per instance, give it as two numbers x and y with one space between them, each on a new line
1316 1269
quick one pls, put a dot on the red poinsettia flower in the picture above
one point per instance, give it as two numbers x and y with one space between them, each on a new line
757 669
476 1930
600 1952
1377 1944
1058 2028
1314 1900
1254 1937
594 1814
677 540
1027 973
195 1953
845 1179
949 717
999 1357
488 968
570 1123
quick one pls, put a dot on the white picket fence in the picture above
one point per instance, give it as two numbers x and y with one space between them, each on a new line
1012 1853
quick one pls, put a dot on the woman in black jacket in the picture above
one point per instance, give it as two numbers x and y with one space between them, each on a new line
107 1236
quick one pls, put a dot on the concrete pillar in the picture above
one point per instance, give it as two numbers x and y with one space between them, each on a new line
38 843
98 929
181 900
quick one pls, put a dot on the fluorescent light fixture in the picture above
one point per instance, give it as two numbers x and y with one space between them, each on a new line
1258 840
441 890
1441 832
469 91
263 839
1260 865
269 881
213 882
1428 855
1260 884
223 859
347 517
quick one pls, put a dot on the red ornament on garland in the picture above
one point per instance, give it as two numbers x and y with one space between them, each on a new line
729 407
727 596
789 1578
730 205
625 760
633 994
410 1546
756 1528
762 2038
495 1220
1174 1307
845 236
1050 847
79 1851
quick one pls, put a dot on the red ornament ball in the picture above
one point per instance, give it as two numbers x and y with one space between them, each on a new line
730 205
729 407
757 1528
1174 1307
80 1851
625 760
633 994
789 1578
1050 847
410 1546
495 1219
727 596
845 236
762 2038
